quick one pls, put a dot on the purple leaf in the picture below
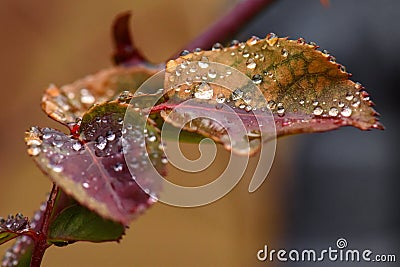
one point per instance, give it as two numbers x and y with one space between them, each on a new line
92 168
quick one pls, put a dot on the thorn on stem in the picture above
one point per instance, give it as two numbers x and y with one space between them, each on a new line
125 51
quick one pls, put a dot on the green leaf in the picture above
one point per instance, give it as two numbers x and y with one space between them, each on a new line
7 236
77 223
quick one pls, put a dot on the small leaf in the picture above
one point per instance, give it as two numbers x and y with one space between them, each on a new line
12 227
305 89
92 169
77 223
69 102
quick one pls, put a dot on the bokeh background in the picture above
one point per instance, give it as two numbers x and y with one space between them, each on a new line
343 183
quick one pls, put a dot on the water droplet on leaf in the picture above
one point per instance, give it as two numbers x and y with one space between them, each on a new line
204 91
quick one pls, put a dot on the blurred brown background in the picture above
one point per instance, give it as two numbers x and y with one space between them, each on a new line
322 186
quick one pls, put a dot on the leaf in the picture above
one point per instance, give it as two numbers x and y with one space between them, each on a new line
12 227
77 223
68 103
305 89
93 170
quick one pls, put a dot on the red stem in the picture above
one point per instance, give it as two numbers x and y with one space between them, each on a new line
40 242
230 23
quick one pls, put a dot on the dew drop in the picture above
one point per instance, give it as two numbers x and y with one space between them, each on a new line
110 136
248 108
220 98
280 110
349 96
34 151
358 86
101 143
246 54
57 168
197 50
184 53
333 112
342 68
237 94
269 74
356 102
332 59
192 68
301 102
365 95
212 73
271 104
234 43
301 41
184 64
272 39
76 146
318 111
340 104
315 103
58 141
152 138
189 81
47 135
85 185
217 46
284 53
203 63
118 167
34 142
346 112
257 79
123 96
204 91
242 106
247 98
253 40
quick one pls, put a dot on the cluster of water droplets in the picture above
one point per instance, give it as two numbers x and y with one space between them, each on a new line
22 243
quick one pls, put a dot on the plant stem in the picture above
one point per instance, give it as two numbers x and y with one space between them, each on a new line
40 242
230 23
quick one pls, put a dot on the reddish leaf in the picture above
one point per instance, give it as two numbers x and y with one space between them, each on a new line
304 88
93 169
69 102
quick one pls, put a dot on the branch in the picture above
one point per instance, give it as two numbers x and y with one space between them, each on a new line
40 242
126 53
226 26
